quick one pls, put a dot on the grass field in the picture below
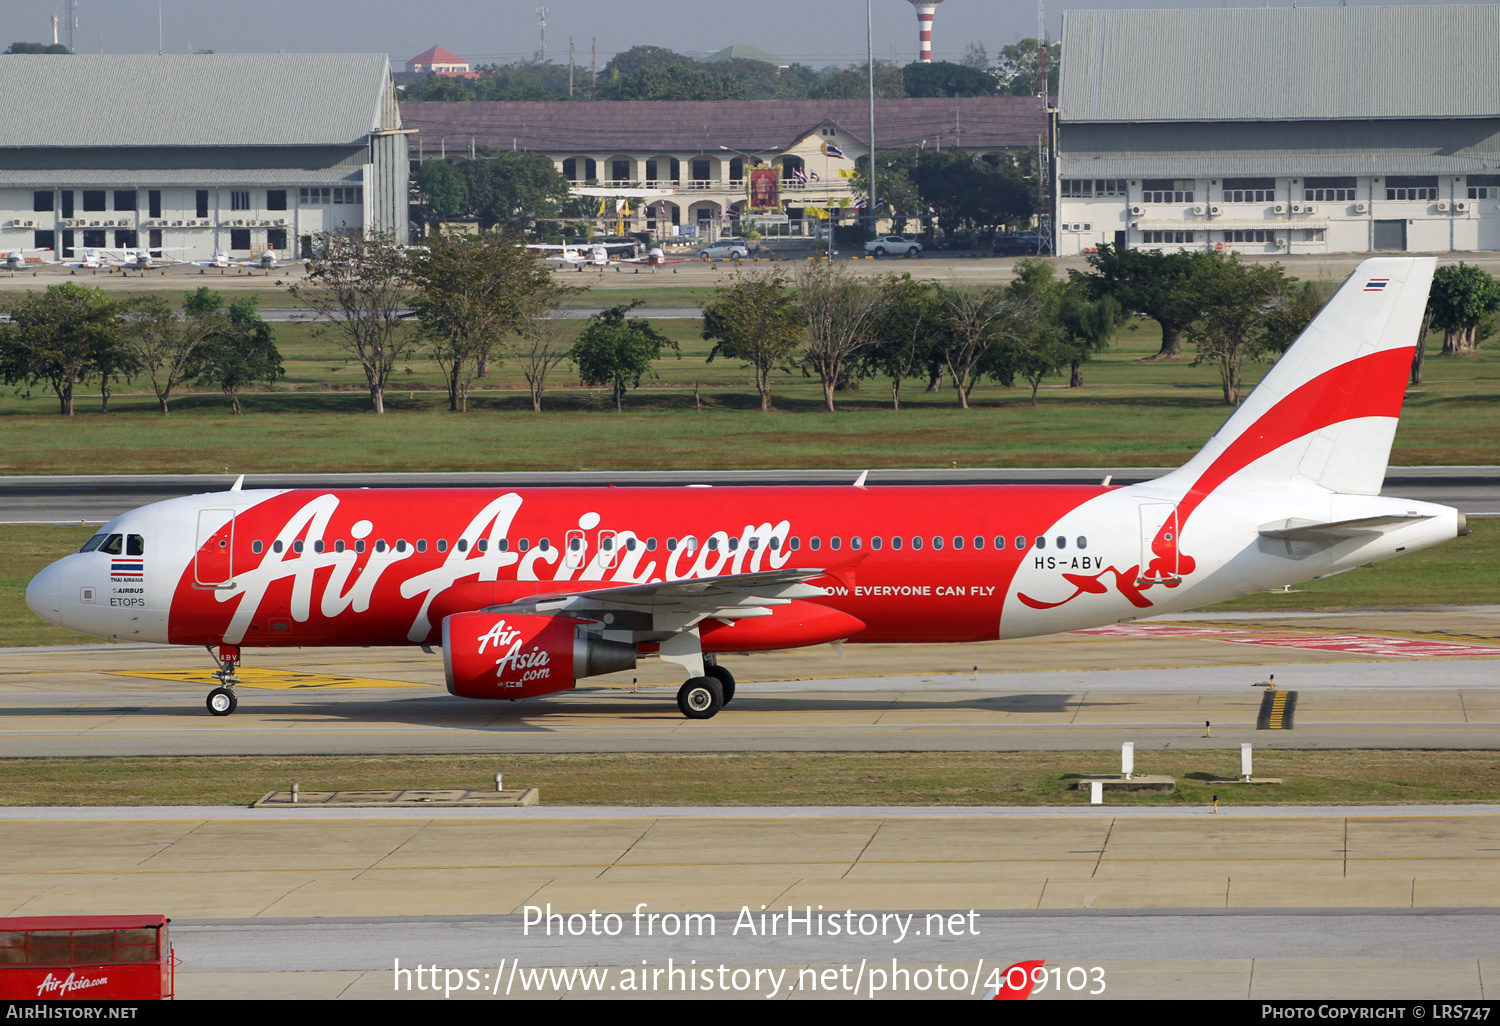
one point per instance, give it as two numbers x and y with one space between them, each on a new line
888 778
1456 573
1131 412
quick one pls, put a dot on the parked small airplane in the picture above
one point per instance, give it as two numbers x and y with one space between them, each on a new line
14 260
529 590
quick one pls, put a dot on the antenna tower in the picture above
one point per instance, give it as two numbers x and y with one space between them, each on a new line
541 17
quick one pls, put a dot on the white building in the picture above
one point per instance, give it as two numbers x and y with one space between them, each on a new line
1280 130
202 152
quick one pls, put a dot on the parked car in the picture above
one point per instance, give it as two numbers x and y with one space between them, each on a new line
1018 244
893 244
954 242
731 248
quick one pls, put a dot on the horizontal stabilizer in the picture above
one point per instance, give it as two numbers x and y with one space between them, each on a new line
1308 530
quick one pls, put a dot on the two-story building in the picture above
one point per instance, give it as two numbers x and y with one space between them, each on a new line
1280 130
702 149
197 153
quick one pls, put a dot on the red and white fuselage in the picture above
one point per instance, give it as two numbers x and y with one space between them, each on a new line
1287 490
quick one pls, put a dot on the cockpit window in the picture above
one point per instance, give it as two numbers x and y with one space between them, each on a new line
135 545
93 543
113 544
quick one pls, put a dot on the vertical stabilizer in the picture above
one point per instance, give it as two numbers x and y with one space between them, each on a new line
1325 414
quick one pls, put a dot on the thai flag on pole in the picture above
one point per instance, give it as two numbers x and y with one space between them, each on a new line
812 175
859 204
800 175
832 150
1377 284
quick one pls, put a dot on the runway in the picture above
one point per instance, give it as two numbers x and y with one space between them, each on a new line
96 498
1419 679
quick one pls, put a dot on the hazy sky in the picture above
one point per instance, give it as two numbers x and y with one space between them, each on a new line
818 33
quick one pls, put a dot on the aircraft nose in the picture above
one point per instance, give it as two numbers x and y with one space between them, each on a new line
44 593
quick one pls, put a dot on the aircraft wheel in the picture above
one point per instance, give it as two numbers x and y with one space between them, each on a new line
221 701
725 679
700 698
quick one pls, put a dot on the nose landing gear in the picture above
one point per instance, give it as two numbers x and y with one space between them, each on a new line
222 700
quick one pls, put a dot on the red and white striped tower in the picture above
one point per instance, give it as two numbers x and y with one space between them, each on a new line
925 10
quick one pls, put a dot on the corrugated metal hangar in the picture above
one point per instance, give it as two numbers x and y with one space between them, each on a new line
1280 130
208 151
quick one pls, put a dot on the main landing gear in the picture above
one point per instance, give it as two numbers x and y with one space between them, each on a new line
702 697
221 700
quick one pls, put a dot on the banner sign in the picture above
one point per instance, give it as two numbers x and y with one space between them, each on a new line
765 188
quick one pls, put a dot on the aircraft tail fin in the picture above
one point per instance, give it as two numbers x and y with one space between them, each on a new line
1325 415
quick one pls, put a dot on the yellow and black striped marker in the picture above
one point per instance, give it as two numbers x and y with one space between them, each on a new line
1276 710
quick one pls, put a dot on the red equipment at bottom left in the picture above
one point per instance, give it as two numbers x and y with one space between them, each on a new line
86 958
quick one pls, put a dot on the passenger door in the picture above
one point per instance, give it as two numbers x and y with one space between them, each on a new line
213 563
1159 541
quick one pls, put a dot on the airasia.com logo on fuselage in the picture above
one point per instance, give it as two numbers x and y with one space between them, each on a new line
51 986
347 580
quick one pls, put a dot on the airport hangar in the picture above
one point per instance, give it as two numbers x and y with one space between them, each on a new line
1280 130
701 148
210 151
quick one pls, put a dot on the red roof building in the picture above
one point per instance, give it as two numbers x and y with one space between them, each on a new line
438 61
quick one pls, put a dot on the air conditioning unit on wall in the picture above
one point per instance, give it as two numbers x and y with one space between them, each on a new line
1462 206
1198 209
1443 206
1279 208
1136 209
1361 207
1216 210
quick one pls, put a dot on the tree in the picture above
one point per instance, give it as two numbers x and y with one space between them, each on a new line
1462 298
167 347
970 315
243 354
755 318
616 349
1036 342
908 317
1290 316
960 189
1089 325
358 286
640 58
514 189
837 309
976 57
1236 303
61 336
853 83
1016 66
445 192
540 339
470 291
944 78
1150 282
675 82
37 48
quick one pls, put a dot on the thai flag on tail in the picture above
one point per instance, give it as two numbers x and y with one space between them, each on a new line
1377 284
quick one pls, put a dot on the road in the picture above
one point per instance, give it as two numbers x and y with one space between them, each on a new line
96 498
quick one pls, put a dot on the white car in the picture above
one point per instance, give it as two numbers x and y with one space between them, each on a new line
893 244
732 249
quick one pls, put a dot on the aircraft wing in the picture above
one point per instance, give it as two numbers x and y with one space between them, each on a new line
679 605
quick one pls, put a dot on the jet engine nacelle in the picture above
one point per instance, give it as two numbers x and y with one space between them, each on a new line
503 655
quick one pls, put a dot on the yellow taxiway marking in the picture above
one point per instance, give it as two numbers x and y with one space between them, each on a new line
271 679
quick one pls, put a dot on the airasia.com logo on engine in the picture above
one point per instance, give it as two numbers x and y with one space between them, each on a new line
54 987
515 667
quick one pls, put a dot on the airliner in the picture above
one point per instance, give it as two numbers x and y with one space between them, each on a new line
527 591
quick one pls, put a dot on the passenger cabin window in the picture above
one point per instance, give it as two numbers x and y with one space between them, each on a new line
937 541
255 546
1083 542
1020 542
815 543
442 545
297 546
1041 542
483 545
999 541
896 542
1061 542
875 543
835 542
958 541
463 545
795 543
276 545
916 542
421 544
523 545
338 546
